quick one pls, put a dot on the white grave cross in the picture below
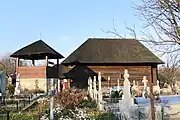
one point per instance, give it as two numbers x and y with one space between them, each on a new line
145 82
94 88
126 90
118 85
90 87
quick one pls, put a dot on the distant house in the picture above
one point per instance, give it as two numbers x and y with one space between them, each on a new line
36 77
111 57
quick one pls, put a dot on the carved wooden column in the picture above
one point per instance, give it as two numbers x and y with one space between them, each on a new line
46 61
33 62
58 78
46 80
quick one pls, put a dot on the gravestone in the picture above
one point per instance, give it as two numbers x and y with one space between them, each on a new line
158 87
134 83
118 87
127 100
94 89
135 87
18 86
126 105
137 83
99 89
90 87
109 80
100 97
59 85
145 82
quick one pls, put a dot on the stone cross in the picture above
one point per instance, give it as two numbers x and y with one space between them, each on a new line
137 83
99 80
9 80
89 84
157 86
94 89
126 75
64 84
145 81
126 90
134 83
18 87
157 82
109 80
118 85
99 90
59 85
134 87
90 87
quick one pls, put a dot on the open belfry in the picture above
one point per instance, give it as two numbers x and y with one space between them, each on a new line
32 77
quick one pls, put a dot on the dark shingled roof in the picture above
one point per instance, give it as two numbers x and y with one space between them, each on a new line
99 50
37 50
62 69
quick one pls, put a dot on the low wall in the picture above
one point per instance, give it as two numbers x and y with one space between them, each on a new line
32 83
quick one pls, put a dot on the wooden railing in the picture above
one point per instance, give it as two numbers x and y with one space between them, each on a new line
32 72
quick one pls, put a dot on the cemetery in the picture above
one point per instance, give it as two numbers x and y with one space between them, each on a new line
103 79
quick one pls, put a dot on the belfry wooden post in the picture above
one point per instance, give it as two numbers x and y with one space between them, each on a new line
17 64
46 61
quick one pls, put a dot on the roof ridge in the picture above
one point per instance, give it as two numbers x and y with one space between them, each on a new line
112 38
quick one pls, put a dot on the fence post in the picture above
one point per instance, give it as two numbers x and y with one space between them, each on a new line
24 103
29 99
39 115
17 105
4 100
162 112
139 115
52 101
8 115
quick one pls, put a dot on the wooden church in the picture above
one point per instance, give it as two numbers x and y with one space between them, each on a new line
111 57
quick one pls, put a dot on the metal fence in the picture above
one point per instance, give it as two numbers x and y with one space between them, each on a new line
5 116
121 115
16 116
138 112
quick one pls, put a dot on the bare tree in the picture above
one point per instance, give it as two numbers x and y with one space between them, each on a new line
131 31
167 72
163 16
113 31
7 65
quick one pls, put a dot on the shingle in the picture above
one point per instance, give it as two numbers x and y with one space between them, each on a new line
99 50
37 50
